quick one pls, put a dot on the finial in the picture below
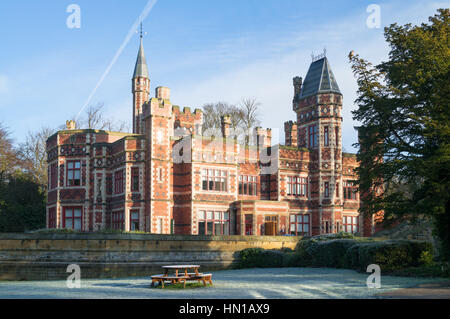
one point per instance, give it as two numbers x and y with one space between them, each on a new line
141 32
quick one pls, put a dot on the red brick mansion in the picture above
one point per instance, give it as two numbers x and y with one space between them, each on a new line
166 178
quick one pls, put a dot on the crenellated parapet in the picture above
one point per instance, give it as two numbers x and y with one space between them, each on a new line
187 119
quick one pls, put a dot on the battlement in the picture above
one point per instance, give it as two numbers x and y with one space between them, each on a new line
187 115
265 135
291 131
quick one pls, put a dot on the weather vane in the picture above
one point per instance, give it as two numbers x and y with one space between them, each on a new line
141 32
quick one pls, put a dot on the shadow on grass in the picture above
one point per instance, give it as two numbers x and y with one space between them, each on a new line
178 286
123 285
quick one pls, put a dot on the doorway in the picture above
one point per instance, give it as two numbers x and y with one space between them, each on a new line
271 225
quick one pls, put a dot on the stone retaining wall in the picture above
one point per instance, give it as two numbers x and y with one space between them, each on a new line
46 256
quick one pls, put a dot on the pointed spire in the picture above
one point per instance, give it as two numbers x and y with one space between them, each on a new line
141 68
320 79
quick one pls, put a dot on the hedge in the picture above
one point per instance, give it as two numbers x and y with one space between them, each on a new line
341 253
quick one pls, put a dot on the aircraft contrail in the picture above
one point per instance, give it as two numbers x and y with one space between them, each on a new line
127 39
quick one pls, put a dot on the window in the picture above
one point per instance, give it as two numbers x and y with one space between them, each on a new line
247 185
135 179
350 190
265 184
336 134
350 224
74 173
72 218
160 225
118 182
134 220
117 222
213 223
337 190
327 189
53 176
299 225
325 136
326 227
248 225
297 186
52 218
214 180
160 175
313 134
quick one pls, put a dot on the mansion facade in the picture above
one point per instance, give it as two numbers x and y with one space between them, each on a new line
166 178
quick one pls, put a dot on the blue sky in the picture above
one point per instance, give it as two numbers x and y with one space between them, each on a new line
205 51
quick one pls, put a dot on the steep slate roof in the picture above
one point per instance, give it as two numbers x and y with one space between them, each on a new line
320 79
141 68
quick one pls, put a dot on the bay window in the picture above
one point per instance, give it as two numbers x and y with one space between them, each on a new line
350 224
72 218
118 182
297 186
117 220
350 190
299 225
73 173
213 223
247 185
214 180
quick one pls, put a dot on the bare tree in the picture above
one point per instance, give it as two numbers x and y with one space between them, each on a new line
34 156
116 126
250 115
94 118
213 112
9 159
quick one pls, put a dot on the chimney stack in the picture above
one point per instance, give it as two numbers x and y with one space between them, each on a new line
70 125
290 131
263 137
298 82
162 93
226 124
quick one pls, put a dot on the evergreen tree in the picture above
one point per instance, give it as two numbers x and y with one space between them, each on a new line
403 105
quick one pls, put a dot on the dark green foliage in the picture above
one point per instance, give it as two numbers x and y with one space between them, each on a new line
403 108
393 255
342 253
260 258
22 204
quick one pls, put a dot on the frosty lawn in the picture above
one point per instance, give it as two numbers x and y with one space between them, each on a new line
297 283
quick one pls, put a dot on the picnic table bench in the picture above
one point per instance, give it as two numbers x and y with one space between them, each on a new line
183 277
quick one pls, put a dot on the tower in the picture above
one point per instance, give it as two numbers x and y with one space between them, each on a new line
318 104
140 88
159 128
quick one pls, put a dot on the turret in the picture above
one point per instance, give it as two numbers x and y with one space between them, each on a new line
141 89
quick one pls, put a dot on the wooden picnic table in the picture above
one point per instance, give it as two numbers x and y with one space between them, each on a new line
183 277
178 267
